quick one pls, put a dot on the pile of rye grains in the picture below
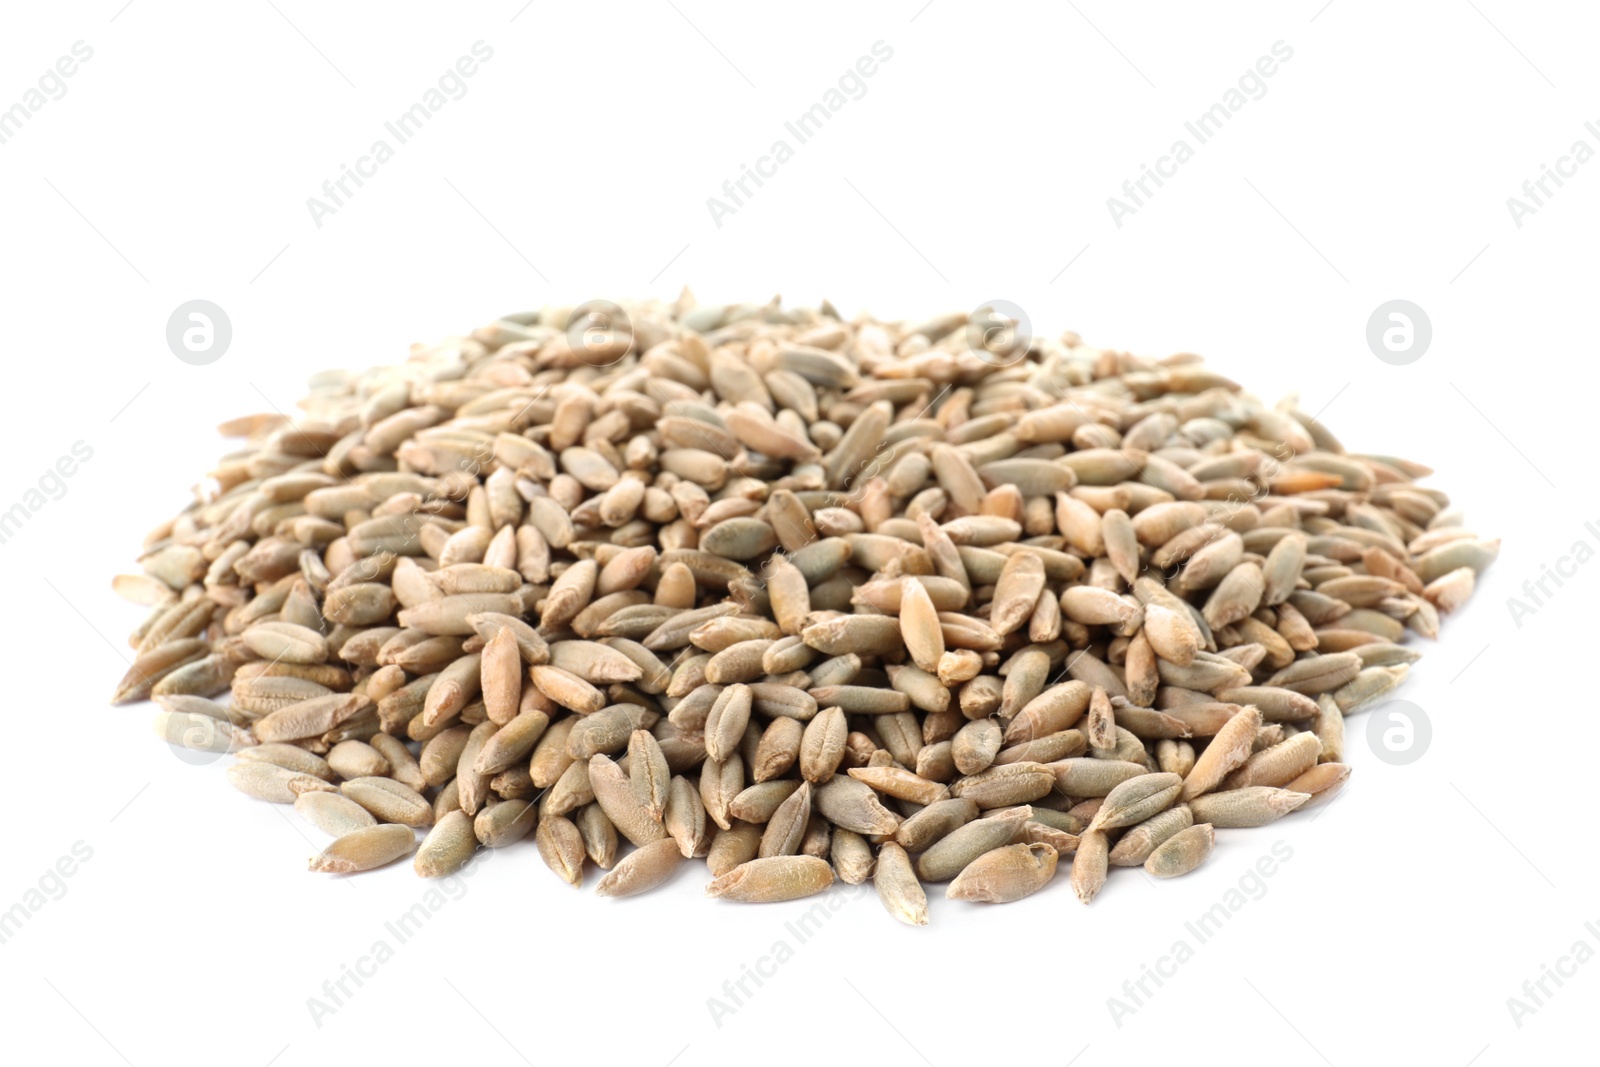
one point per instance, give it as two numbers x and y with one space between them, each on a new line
802 597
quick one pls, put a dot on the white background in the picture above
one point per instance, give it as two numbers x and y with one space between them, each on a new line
976 166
